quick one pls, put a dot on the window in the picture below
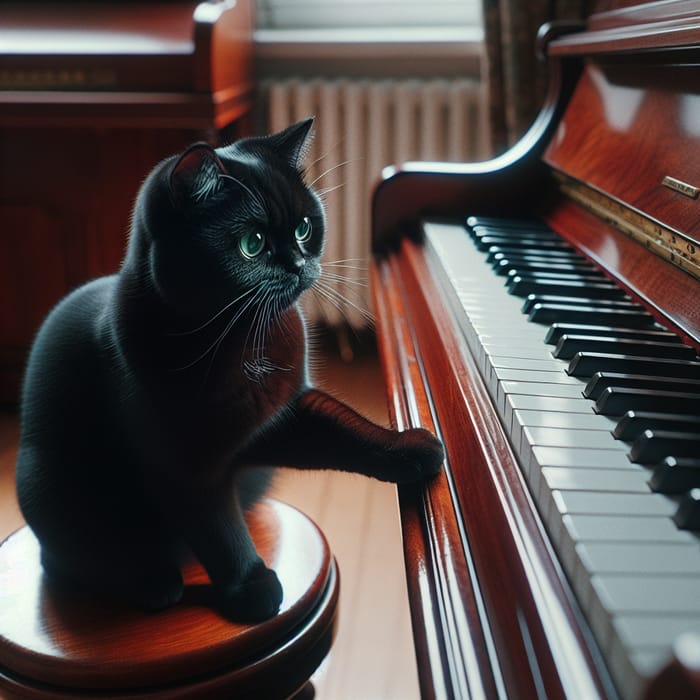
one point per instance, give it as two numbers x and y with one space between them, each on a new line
368 14
373 37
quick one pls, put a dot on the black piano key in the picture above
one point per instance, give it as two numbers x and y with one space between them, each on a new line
514 234
634 423
676 475
653 446
593 315
687 517
522 243
533 224
556 330
602 380
614 401
566 276
586 364
553 255
555 299
569 345
523 285
494 259
515 265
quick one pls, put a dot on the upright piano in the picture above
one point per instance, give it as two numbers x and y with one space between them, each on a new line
541 313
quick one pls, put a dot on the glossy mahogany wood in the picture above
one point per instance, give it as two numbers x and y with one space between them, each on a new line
177 65
667 291
616 124
517 603
414 191
454 658
631 26
527 610
62 641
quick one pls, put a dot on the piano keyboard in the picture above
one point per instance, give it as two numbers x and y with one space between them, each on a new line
605 425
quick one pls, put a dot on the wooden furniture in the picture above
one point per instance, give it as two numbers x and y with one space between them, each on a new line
92 96
55 645
495 614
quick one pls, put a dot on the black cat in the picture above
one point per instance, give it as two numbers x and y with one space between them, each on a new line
149 393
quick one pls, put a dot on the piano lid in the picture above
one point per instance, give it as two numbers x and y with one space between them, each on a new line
627 147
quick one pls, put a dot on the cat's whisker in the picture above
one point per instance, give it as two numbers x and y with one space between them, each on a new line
332 168
343 279
327 190
215 345
348 264
341 301
324 155
215 316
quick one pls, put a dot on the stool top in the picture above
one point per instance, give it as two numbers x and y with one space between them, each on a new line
62 640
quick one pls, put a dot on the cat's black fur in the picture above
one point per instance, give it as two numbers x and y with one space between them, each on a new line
149 393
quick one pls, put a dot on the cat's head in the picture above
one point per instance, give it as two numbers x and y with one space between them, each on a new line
237 222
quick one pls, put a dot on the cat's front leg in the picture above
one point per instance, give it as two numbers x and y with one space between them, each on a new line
246 590
322 432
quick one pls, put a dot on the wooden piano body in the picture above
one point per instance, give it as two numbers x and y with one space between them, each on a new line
92 96
494 613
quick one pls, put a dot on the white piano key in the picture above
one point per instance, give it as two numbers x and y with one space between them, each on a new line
545 436
613 503
562 391
508 374
538 365
589 481
618 595
637 558
545 390
648 631
603 528
583 458
605 480
569 421
605 523
625 528
634 557
524 402
530 349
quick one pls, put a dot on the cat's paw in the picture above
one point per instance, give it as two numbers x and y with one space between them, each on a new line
416 455
256 598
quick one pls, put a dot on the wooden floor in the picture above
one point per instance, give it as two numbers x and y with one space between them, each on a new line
372 657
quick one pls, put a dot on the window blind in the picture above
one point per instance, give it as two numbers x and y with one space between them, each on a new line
366 14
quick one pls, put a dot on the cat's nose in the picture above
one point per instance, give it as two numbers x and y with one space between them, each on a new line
296 263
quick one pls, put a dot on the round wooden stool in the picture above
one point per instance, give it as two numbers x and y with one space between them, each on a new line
56 646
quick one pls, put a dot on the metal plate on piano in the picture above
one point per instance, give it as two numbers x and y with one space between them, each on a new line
674 246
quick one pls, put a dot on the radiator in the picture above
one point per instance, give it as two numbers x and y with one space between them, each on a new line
362 126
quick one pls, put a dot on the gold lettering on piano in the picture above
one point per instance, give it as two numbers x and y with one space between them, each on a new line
679 186
669 244
57 79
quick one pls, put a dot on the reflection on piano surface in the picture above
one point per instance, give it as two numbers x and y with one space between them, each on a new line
541 312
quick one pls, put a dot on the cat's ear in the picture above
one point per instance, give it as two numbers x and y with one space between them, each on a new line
196 176
291 143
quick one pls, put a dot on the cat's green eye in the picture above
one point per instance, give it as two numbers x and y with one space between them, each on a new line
303 231
252 244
